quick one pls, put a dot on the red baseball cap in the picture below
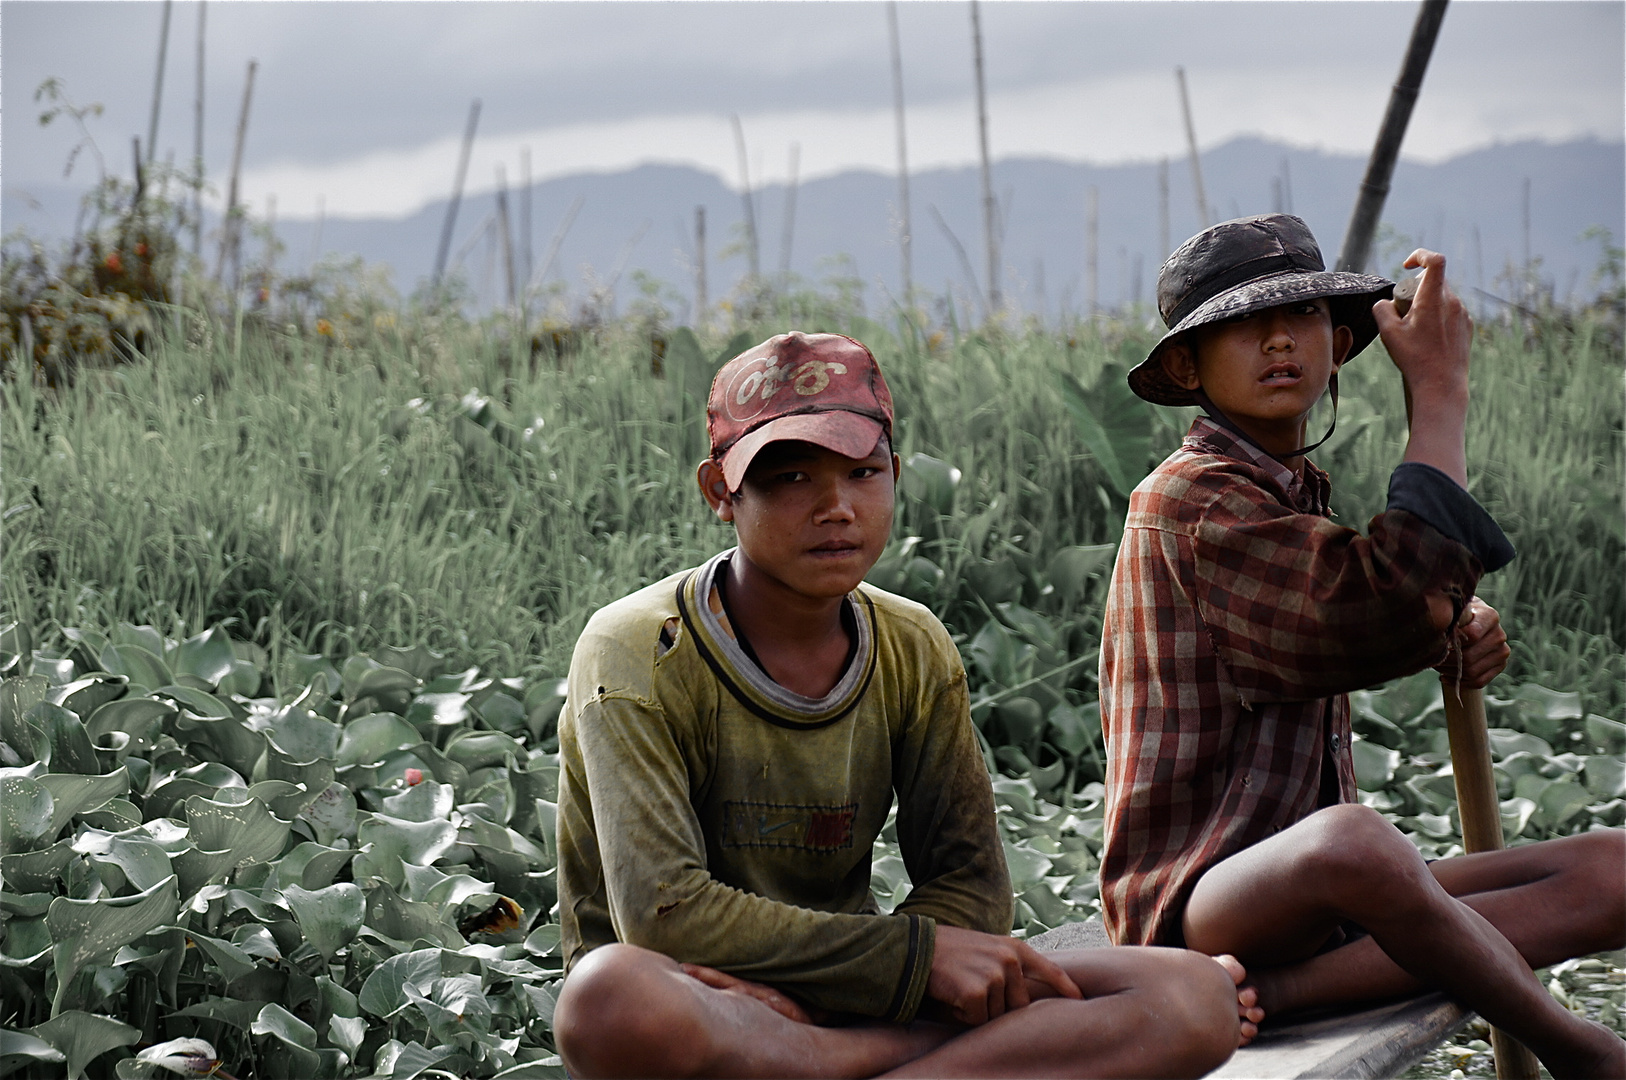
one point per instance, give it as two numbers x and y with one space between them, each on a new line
825 389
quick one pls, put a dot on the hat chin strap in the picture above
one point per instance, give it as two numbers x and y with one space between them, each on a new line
1230 425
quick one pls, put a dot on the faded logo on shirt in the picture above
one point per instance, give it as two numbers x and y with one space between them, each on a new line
788 825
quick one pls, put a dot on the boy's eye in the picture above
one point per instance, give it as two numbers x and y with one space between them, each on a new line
864 472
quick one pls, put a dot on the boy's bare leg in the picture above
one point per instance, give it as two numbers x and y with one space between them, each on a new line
1278 901
1553 900
1145 1012
627 1011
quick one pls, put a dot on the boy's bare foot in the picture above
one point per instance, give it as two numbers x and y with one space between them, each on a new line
1247 998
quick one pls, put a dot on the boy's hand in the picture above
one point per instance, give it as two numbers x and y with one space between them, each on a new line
1481 644
721 980
1430 346
983 976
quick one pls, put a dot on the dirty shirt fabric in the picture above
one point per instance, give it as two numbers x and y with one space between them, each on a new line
710 814
1238 618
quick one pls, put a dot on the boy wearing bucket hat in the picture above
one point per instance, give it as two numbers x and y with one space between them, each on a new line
732 743
1239 617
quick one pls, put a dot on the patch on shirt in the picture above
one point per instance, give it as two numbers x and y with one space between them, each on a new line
788 825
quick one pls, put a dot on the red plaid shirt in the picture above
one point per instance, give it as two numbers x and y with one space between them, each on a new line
1239 617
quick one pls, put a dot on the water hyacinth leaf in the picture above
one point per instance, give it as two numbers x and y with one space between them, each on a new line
478 749
330 917
381 994
1505 742
303 735
16 642
34 871
18 1049
232 963
312 866
413 1059
332 813
201 704
140 718
1113 423
135 861
144 636
208 656
26 813
1606 776
1374 765
430 711
256 941
83 697
19 695
420 842
370 739
404 920
71 751
140 666
1608 735
423 801
932 481
542 704
313 778
455 1007
73 794
347 1033
419 661
544 940
239 1014
279 1022
248 830
503 712
87 930
83 1037
1562 800
58 669
379 682
1071 568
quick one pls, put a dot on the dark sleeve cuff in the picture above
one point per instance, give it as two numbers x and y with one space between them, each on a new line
1439 500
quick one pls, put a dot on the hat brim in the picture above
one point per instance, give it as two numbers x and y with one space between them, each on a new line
1351 297
847 433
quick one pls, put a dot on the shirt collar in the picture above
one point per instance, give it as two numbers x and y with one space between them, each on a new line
1308 494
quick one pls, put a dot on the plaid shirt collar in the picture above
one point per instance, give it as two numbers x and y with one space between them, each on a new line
1307 494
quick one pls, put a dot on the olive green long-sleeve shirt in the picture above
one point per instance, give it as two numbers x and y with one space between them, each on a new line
712 815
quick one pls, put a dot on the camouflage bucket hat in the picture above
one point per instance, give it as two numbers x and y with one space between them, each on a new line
1242 266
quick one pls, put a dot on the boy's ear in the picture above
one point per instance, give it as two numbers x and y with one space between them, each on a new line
709 475
1180 364
1343 339
897 468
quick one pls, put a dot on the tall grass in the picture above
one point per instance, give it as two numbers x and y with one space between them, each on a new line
284 484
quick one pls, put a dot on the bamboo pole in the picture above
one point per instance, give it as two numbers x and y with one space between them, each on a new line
229 239
1092 264
1162 210
457 193
789 233
197 141
752 252
158 83
1191 149
904 237
506 238
1363 222
990 210
1480 810
700 300
556 243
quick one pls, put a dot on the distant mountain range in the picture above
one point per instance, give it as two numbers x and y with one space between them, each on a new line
643 219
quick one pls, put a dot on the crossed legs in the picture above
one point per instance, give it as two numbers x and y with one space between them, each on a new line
627 1011
1275 904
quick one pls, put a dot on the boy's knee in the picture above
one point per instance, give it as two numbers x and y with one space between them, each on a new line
617 1016
1355 851
1190 1009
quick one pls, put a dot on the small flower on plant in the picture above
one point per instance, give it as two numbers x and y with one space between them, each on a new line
324 328
413 777
143 251
113 262
188 1057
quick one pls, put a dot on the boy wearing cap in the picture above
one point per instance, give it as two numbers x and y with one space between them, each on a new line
1240 616
732 742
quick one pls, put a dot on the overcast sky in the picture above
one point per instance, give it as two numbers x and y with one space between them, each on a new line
362 103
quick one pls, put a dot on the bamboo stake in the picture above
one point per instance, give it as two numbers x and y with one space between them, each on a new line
700 301
1092 264
1191 147
229 241
1481 815
197 142
751 251
965 260
1162 210
1363 222
790 215
158 83
990 210
557 242
904 237
457 193
506 237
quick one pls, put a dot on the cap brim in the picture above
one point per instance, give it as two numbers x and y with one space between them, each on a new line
1351 295
846 433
